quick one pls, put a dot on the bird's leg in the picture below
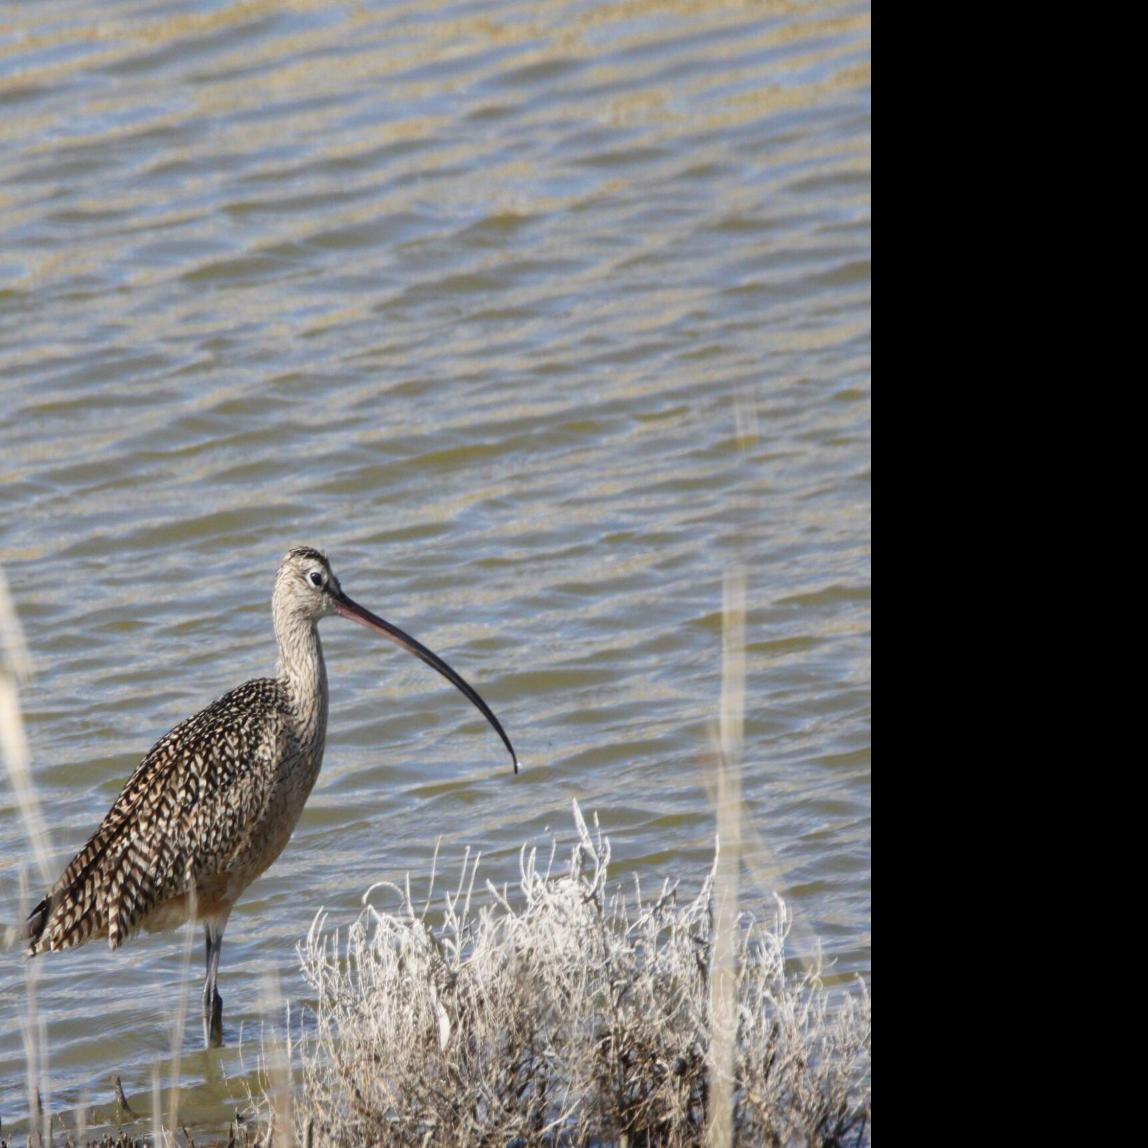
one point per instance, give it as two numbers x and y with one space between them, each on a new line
212 1001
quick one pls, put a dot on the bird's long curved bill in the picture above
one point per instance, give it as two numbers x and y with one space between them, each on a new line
356 613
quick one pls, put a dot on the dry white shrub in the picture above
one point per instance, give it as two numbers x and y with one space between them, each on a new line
573 1015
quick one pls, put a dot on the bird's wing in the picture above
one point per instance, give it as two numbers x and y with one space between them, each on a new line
187 809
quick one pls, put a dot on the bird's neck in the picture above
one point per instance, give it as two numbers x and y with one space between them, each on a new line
304 674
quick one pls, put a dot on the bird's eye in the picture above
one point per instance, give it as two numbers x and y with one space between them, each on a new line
316 578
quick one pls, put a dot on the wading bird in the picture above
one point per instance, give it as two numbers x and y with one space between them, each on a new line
214 802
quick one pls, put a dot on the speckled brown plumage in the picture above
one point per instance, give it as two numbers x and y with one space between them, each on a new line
195 808
216 799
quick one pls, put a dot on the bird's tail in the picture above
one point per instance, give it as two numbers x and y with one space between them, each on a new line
71 913
35 925
63 920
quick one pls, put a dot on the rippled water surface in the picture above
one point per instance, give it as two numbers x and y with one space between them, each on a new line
536 317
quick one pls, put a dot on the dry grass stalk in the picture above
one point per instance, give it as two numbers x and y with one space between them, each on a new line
569 1015
15 665
722 1045
275 1069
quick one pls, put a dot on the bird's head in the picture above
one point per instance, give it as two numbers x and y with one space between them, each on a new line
306 590
305 586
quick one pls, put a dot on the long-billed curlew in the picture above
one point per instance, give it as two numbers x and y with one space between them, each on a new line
215 800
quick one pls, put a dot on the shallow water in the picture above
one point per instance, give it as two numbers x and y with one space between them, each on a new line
536 318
